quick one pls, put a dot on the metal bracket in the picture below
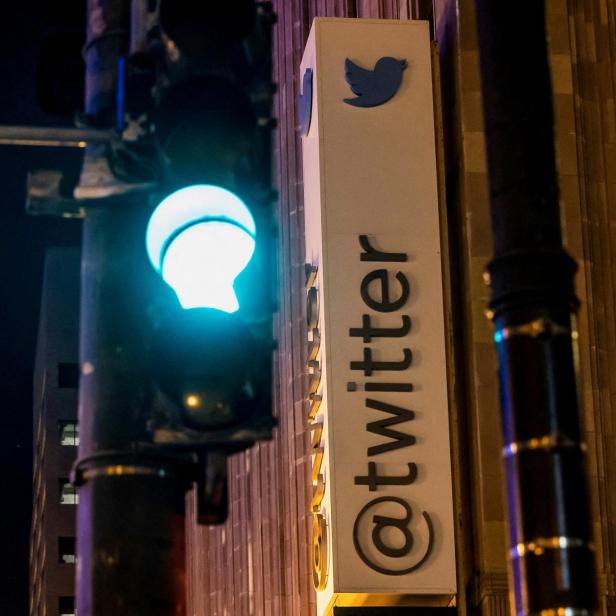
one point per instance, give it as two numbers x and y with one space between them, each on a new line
43 196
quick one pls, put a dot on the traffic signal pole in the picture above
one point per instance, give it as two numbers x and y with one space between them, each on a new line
131 502
130 542
531 279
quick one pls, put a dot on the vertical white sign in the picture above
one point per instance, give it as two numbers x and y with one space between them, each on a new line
382 491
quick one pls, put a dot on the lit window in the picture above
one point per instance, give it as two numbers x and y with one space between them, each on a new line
69 434
68 493
66 550
67 606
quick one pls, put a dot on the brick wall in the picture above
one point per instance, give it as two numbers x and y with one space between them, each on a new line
588 162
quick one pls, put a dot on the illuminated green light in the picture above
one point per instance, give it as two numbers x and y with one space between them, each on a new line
199 239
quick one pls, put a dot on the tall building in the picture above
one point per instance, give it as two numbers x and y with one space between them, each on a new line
56 437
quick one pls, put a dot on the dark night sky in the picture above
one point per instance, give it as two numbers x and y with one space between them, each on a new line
22 244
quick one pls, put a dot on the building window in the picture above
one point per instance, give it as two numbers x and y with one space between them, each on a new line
68 375
69 433
67 606
66 550
68 493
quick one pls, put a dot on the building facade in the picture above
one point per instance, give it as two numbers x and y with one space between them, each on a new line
259 561
56 437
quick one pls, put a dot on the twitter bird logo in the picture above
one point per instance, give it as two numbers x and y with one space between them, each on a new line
305 103
373 88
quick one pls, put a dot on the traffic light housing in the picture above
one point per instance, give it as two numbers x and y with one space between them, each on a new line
210 235
179 269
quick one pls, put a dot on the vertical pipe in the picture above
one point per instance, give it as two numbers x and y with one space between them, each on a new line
130 521
532 297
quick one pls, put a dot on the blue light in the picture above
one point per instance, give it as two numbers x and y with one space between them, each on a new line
199 239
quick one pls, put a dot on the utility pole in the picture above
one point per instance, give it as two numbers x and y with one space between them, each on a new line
130 523
532 283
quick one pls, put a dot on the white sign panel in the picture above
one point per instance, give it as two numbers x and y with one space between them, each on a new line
382 492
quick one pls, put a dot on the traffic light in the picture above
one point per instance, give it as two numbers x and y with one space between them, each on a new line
210 235
177 279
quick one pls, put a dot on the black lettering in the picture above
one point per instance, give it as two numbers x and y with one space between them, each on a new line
371 254
391 387
368 332
381 522
404 387
384 305
312 308
373 479
311 274
399 439
368 365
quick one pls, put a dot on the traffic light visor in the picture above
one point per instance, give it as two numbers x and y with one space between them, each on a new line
199 239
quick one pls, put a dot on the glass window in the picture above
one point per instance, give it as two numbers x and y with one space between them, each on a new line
66 550
69 433
68 493
67 606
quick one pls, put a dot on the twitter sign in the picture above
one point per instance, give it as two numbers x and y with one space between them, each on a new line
377 390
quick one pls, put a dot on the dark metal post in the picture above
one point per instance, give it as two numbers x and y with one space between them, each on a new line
131 503
531 278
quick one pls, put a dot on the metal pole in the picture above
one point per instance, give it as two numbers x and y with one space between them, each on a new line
52 136
130 523
531 279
